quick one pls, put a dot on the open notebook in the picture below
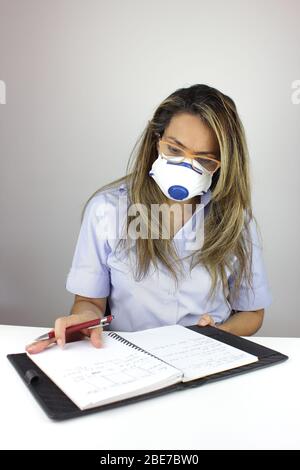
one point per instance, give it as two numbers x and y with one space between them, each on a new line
135 363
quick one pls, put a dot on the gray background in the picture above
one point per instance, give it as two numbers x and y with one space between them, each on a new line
82 79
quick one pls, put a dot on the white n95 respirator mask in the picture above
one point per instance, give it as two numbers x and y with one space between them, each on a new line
180 181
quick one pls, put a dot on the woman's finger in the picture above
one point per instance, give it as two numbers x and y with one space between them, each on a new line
64 322
60 330
39 346
96 337
203 322
206 320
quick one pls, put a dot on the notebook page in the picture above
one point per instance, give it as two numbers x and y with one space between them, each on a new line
91 377
195 354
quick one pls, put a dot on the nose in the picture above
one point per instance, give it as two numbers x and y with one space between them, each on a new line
178 192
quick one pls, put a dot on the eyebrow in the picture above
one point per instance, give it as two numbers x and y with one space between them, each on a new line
197 153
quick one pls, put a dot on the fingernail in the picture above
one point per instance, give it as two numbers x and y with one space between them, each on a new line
29 349
60 343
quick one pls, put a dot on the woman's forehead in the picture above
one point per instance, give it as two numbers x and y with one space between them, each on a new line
191 133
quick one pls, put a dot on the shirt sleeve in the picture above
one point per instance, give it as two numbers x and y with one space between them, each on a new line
89 275
261 296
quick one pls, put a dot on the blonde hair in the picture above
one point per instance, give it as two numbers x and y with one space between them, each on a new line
226 226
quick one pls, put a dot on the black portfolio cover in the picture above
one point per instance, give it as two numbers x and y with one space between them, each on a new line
58 406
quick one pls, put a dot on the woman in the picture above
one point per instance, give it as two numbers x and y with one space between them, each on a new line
138 246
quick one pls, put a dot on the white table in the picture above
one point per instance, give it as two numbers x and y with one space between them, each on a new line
259 410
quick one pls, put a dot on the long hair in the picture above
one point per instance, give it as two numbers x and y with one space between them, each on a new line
226 225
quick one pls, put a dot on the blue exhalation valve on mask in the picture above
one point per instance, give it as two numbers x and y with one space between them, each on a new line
179 181
178 192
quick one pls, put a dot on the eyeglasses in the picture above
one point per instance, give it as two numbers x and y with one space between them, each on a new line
176 154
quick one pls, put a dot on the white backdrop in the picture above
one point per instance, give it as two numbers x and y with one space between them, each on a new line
82 77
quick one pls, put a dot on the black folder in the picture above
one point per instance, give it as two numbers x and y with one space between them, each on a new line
58 406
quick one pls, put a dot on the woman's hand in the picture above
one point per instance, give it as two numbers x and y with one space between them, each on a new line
60 332
206 320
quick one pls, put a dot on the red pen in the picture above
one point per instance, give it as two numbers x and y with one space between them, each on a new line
80 326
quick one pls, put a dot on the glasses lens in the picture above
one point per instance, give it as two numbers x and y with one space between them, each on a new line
209 165
170 150
177 154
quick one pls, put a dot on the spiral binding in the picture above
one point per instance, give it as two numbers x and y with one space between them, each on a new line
114 335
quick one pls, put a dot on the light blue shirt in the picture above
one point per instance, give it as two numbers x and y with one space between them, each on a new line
99 271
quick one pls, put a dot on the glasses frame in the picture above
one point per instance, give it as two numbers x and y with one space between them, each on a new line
190 155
